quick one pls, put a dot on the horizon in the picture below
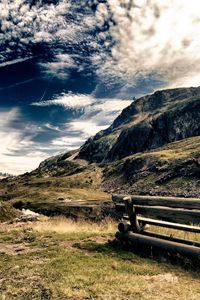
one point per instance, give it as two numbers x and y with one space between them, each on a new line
68 70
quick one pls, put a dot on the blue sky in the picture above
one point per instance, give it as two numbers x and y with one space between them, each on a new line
67 68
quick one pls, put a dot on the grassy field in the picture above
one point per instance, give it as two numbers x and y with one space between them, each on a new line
63 259
182 149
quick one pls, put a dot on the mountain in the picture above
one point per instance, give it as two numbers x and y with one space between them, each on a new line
4 175
148 123
168 121
153 147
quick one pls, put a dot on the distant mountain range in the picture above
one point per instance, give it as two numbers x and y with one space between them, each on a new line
4 175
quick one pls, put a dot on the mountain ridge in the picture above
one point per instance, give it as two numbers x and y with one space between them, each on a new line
146 118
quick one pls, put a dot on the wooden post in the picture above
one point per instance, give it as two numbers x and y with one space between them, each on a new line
124 227
132 214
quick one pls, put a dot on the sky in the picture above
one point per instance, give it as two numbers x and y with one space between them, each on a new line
68 68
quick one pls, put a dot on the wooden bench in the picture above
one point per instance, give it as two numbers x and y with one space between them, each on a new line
169 212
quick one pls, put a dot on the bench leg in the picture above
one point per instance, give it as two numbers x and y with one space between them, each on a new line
135 226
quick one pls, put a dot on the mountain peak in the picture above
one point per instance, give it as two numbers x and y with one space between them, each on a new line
148 123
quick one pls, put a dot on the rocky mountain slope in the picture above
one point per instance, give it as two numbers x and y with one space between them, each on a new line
148 123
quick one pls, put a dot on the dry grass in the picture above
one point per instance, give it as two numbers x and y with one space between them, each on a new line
176 233
178 150
64 225
182 149
7 212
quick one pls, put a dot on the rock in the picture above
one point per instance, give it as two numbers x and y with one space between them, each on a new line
162 278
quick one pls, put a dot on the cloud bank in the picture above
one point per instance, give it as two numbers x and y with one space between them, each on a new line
152 38
121 40
17 153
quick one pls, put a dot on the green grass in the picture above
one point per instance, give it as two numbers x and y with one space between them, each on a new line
46 192
7 212
61 259
170 170
179 150
182 149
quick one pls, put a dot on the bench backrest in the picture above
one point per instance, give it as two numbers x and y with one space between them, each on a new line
171 209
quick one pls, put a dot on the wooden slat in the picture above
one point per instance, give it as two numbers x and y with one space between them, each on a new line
183 216
170 238
165 213
174 202
187 250
176 226
125 227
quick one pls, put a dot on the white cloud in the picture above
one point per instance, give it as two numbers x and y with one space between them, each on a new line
23 24
68 101
12 142
69 143
15 61
16 165
60 67
153 37
86 128
145 38
20 152
8 140
97 115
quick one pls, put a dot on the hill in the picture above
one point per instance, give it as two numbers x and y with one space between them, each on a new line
153 147
7 212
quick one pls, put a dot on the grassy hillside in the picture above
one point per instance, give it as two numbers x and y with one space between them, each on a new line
83 184
7 212
61 259
53 195
170 170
